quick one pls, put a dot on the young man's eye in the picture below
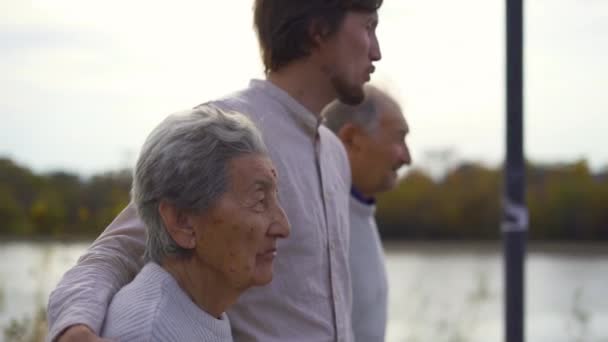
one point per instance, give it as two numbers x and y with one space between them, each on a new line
371 25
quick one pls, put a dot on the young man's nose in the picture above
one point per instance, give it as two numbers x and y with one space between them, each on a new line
374 53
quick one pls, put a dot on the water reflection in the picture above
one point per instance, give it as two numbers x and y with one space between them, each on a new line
454 292
438 292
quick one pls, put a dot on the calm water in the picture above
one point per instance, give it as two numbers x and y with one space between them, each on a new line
439 292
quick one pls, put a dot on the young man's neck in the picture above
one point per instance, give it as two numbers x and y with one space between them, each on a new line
306 83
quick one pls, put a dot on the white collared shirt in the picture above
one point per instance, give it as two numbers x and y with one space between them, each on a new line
368 273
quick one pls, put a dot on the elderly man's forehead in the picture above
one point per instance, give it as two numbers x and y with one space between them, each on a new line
388 110
388 104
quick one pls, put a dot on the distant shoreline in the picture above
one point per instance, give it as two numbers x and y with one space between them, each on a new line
572 248
419 246
44 239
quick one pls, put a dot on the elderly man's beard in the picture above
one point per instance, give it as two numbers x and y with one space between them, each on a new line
349 94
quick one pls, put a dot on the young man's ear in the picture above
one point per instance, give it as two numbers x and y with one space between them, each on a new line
317 31
351 136
178 225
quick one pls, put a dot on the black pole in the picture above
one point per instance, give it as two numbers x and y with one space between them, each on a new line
515 219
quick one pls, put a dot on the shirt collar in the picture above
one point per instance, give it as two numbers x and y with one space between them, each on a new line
304 117
361 198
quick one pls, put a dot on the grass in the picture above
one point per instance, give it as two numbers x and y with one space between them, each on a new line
27 329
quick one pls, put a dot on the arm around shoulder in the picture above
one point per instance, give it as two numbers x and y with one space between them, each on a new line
83 294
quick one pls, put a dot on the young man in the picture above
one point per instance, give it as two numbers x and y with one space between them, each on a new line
313 51
374 136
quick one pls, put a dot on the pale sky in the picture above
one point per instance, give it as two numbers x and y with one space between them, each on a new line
82 82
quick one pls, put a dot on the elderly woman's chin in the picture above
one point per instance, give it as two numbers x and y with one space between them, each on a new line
261 274
264 273
258 273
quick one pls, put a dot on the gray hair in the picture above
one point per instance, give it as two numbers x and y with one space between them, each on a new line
185 162
366 114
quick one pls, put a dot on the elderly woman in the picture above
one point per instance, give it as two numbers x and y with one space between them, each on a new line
207 192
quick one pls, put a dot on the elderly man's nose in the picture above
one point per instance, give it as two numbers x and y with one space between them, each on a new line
406 157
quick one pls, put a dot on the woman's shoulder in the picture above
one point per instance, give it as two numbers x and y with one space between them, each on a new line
136 308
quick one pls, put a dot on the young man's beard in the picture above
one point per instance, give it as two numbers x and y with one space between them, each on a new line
348 93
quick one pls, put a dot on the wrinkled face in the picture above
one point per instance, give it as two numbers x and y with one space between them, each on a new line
383 152
349 55
237 237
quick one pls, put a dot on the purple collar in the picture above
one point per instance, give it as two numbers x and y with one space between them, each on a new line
361 198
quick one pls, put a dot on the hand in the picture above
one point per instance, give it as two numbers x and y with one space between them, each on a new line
79 332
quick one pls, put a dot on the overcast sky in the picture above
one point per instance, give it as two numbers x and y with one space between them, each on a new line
82 82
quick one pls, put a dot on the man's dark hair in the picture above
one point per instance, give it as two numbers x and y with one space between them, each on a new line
284 27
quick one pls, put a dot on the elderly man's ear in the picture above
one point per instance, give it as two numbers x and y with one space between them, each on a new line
179 224
352 136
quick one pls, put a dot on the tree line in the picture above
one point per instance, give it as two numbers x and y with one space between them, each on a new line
565 201
59 204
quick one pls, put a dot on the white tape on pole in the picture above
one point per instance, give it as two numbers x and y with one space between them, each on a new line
515 217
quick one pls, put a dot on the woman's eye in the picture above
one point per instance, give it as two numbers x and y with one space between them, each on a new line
260 204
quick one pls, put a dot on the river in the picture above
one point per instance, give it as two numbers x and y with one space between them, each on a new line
448 292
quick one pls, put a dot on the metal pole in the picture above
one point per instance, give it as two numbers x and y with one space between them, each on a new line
515 219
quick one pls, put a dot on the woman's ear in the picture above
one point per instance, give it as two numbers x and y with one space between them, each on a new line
178 224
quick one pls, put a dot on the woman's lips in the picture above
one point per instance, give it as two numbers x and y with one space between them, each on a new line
268 254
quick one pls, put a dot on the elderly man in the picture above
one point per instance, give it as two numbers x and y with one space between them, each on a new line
374 136
206 190
313 52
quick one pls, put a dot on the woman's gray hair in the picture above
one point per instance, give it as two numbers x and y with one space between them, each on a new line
185 162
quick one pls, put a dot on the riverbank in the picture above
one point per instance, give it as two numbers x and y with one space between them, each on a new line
570 248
